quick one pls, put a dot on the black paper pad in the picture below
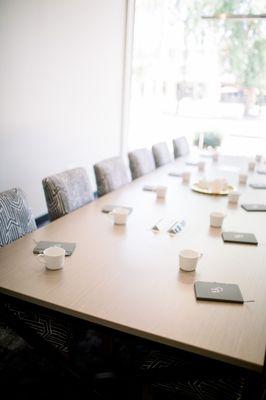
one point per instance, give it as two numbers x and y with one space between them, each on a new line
109 207
149 188
258 185
254 207
239 237
41 246
214 291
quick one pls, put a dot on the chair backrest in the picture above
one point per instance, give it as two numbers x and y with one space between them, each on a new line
141 162
110 174
16 218
181 147
67 191
161 154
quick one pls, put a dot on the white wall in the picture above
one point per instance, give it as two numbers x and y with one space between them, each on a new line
61 81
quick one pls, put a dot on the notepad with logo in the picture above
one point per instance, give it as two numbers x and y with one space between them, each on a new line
149 188
258 185
110 207
261 171
176 174
254 207
192 162
215 291
239 237
41 246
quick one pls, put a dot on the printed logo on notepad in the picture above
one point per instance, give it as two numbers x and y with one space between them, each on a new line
238 236
217 290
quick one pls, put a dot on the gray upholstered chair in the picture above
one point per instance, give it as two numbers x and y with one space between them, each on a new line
110 175
67 191
141 162
16 218
181 146
58 336
161 154
173 374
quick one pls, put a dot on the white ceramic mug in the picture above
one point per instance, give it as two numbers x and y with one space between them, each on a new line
188 259
258 158
119 215
53 257
243 178
186 176
233 197
201 166
161 192
215 156
251 166
216 219
218 185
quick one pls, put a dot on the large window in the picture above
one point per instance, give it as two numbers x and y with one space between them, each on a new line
199 69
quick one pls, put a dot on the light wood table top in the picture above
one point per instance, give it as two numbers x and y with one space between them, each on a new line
127 277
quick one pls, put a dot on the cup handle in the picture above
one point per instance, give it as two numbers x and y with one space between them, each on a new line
40 258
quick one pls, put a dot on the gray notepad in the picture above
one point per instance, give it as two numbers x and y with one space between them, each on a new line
192 162
254 207
149 188
110 207
239 237
258 185
214 291
41 246
176 174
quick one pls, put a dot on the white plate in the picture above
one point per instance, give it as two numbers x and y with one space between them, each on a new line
197 188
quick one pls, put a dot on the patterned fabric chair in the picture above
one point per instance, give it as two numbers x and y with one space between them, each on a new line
16 218
36 324
171 374
66 191
110 175
141 162
181 147
161 154
195 378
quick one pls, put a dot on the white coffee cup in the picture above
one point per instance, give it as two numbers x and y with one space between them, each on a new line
258 158
218 185
119 215
233 197
161 192
215 156
201 166
243 178
251 166
53 257
186 176
188 260
216 219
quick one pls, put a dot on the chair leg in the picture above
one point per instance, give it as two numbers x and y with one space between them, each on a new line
107 345
146 392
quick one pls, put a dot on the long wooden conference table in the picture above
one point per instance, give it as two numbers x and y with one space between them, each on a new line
128 278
